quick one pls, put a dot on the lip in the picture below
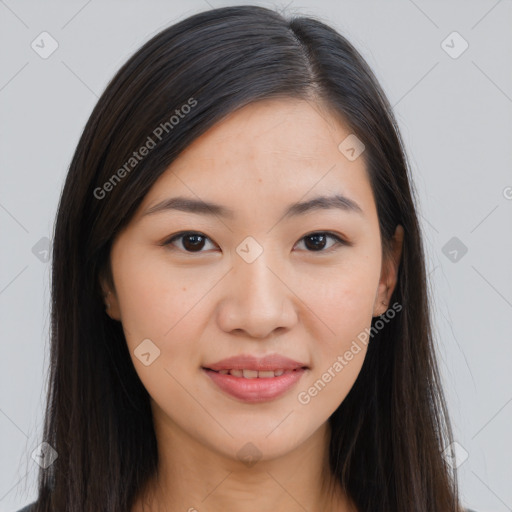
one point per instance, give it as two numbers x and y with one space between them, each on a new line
258 389
248 362
255 390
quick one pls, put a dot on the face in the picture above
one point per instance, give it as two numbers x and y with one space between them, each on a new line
283 292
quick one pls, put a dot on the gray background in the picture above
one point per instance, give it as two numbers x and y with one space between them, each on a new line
456 119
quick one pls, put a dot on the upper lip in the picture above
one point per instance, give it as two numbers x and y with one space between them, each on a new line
249 362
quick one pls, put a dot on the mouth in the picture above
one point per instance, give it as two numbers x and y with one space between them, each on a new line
254 380
255 374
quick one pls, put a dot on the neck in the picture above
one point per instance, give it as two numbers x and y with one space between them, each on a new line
193 478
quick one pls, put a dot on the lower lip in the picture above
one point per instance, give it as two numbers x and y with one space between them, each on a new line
255 390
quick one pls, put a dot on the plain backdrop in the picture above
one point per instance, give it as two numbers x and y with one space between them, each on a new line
452 95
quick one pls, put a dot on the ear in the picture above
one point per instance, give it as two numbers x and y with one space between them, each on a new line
110 298
389 273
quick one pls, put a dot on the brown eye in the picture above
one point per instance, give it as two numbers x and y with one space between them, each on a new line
193 242
190 241
316 242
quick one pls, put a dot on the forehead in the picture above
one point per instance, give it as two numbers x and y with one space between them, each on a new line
278 150
275 129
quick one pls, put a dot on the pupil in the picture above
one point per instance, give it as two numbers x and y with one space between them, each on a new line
316 245
195 244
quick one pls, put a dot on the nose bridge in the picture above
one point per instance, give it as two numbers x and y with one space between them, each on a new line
257 284
257 296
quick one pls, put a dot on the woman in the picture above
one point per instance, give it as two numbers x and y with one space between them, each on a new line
240 315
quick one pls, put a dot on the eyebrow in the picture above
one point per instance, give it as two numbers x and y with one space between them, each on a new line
200 207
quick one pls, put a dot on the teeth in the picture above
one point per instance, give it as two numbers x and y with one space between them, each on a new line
254 374
266 375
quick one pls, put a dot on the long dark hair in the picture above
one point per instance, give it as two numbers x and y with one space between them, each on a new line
389 432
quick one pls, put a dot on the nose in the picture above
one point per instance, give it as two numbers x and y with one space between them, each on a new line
257 300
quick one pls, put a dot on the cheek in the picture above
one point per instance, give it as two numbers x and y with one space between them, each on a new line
341 298
168 306
161 305
341 302
154 298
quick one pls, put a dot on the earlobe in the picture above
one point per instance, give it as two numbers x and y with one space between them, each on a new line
380 305
111 306
110 301
106 297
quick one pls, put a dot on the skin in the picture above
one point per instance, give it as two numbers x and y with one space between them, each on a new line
200 307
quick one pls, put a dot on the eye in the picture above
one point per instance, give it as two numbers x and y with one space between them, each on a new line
317 241
192 241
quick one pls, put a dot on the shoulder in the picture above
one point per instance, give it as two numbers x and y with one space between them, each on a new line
28 508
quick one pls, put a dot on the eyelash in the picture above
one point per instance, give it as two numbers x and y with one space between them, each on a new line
338 240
